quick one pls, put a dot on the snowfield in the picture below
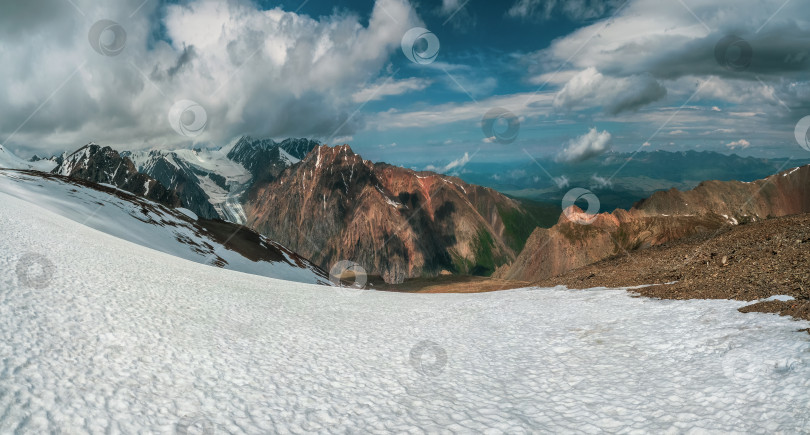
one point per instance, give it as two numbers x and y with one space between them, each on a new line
101 335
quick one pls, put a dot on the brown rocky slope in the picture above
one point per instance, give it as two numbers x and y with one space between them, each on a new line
664 217
394 222
746 262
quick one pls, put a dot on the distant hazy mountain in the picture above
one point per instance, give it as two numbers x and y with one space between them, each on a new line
619 180
10 161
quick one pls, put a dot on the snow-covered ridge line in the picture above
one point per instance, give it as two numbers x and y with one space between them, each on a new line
155 226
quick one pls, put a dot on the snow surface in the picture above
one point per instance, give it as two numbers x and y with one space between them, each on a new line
161 229
10 161
124 339
190 214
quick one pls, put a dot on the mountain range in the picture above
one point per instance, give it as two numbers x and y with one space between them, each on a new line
329 205
326 203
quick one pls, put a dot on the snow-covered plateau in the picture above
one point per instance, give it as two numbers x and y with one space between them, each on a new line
102 335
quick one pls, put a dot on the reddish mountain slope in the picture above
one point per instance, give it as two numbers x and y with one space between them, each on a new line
395 222
663 217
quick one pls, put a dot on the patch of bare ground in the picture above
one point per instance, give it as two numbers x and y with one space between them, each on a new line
747 262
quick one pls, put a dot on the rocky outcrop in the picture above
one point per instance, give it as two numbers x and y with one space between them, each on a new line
394 222
664 217
103 165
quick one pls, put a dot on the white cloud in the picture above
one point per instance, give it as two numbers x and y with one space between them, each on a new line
390 88
651 40
260 72
589 145
562 182
600 182
455 164
742 143
528 105
450 6
590 88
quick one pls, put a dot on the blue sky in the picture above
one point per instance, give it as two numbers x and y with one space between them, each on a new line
578 77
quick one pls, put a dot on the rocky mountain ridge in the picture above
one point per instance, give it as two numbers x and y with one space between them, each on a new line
394 222
103 165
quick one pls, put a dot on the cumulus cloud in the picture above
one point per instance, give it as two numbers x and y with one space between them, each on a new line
593 89
591 144
260 72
